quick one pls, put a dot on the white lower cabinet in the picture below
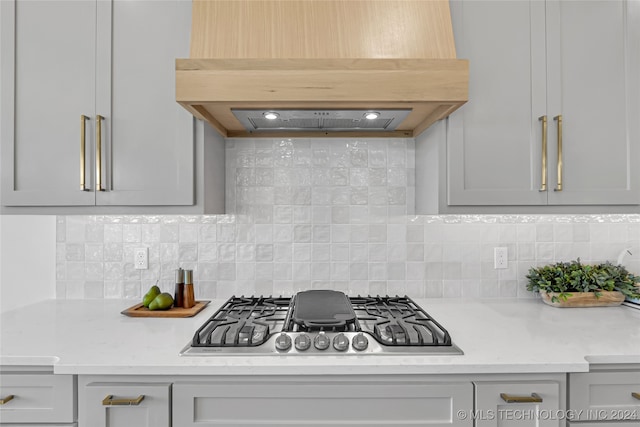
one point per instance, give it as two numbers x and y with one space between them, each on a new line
519 403
37 398
607 397
321 401
123 402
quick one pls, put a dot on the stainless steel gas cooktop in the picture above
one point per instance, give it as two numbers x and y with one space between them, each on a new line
320 322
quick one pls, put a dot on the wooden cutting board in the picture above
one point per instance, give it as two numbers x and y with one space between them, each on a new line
139 310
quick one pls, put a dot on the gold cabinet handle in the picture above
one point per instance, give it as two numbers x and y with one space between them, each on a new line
110 401
635 395
83 145
7 399
543 119
509 398
99 153
558 118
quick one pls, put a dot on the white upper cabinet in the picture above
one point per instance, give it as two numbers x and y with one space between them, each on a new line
112 62
574 62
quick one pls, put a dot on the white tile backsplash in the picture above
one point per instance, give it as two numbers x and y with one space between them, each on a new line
327 213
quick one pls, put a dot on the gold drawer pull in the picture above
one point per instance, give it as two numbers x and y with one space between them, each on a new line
635 395
509 398
83 144
6 399
110 401
99 120
559 120
543 186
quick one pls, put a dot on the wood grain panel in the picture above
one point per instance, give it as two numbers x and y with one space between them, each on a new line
140 310
322 29
209 88
585 299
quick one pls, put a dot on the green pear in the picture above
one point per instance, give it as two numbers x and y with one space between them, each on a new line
163 301
151 295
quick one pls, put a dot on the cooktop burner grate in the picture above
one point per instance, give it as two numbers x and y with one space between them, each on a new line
243 321
252 321
398 321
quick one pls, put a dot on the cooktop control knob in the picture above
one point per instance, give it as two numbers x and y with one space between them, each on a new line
340 342
360 342
302 342
283 342
321 342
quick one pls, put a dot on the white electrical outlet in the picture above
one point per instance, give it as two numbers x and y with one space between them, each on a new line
500 258
141 258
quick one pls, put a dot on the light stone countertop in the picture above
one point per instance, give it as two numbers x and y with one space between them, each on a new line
496 335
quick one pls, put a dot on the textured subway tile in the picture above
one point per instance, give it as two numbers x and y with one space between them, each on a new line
320 271
188 252
452 288
471 288
301 271
321 233
301 252
314 213
188 233
358 252
321 214
226 252
340 271
340 214
264 271
415 252
340 233
74 228
282 271
245 271
94 233
282 252
74 252
301 214
131 290
377 233
397 252
320 252
131 233
377 252
358 271
169 233
113 233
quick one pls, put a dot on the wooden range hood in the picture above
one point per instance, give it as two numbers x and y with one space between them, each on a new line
322 55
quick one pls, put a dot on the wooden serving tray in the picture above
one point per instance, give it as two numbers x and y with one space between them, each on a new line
139 310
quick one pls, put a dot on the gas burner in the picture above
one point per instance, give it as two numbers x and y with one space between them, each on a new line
321 322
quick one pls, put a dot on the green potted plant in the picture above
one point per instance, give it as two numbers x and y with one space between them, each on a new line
573 284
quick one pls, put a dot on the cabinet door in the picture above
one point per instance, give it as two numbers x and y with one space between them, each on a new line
606 396
47 74
152 411
320 404
494 141
593 67
493 410
37 398
148 138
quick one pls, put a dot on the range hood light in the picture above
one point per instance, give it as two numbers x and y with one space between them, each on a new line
270 115
371 115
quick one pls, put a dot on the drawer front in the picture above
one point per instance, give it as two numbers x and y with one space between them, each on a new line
493 410
600 424
39 425
38 398
274 403
153 410
606 396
